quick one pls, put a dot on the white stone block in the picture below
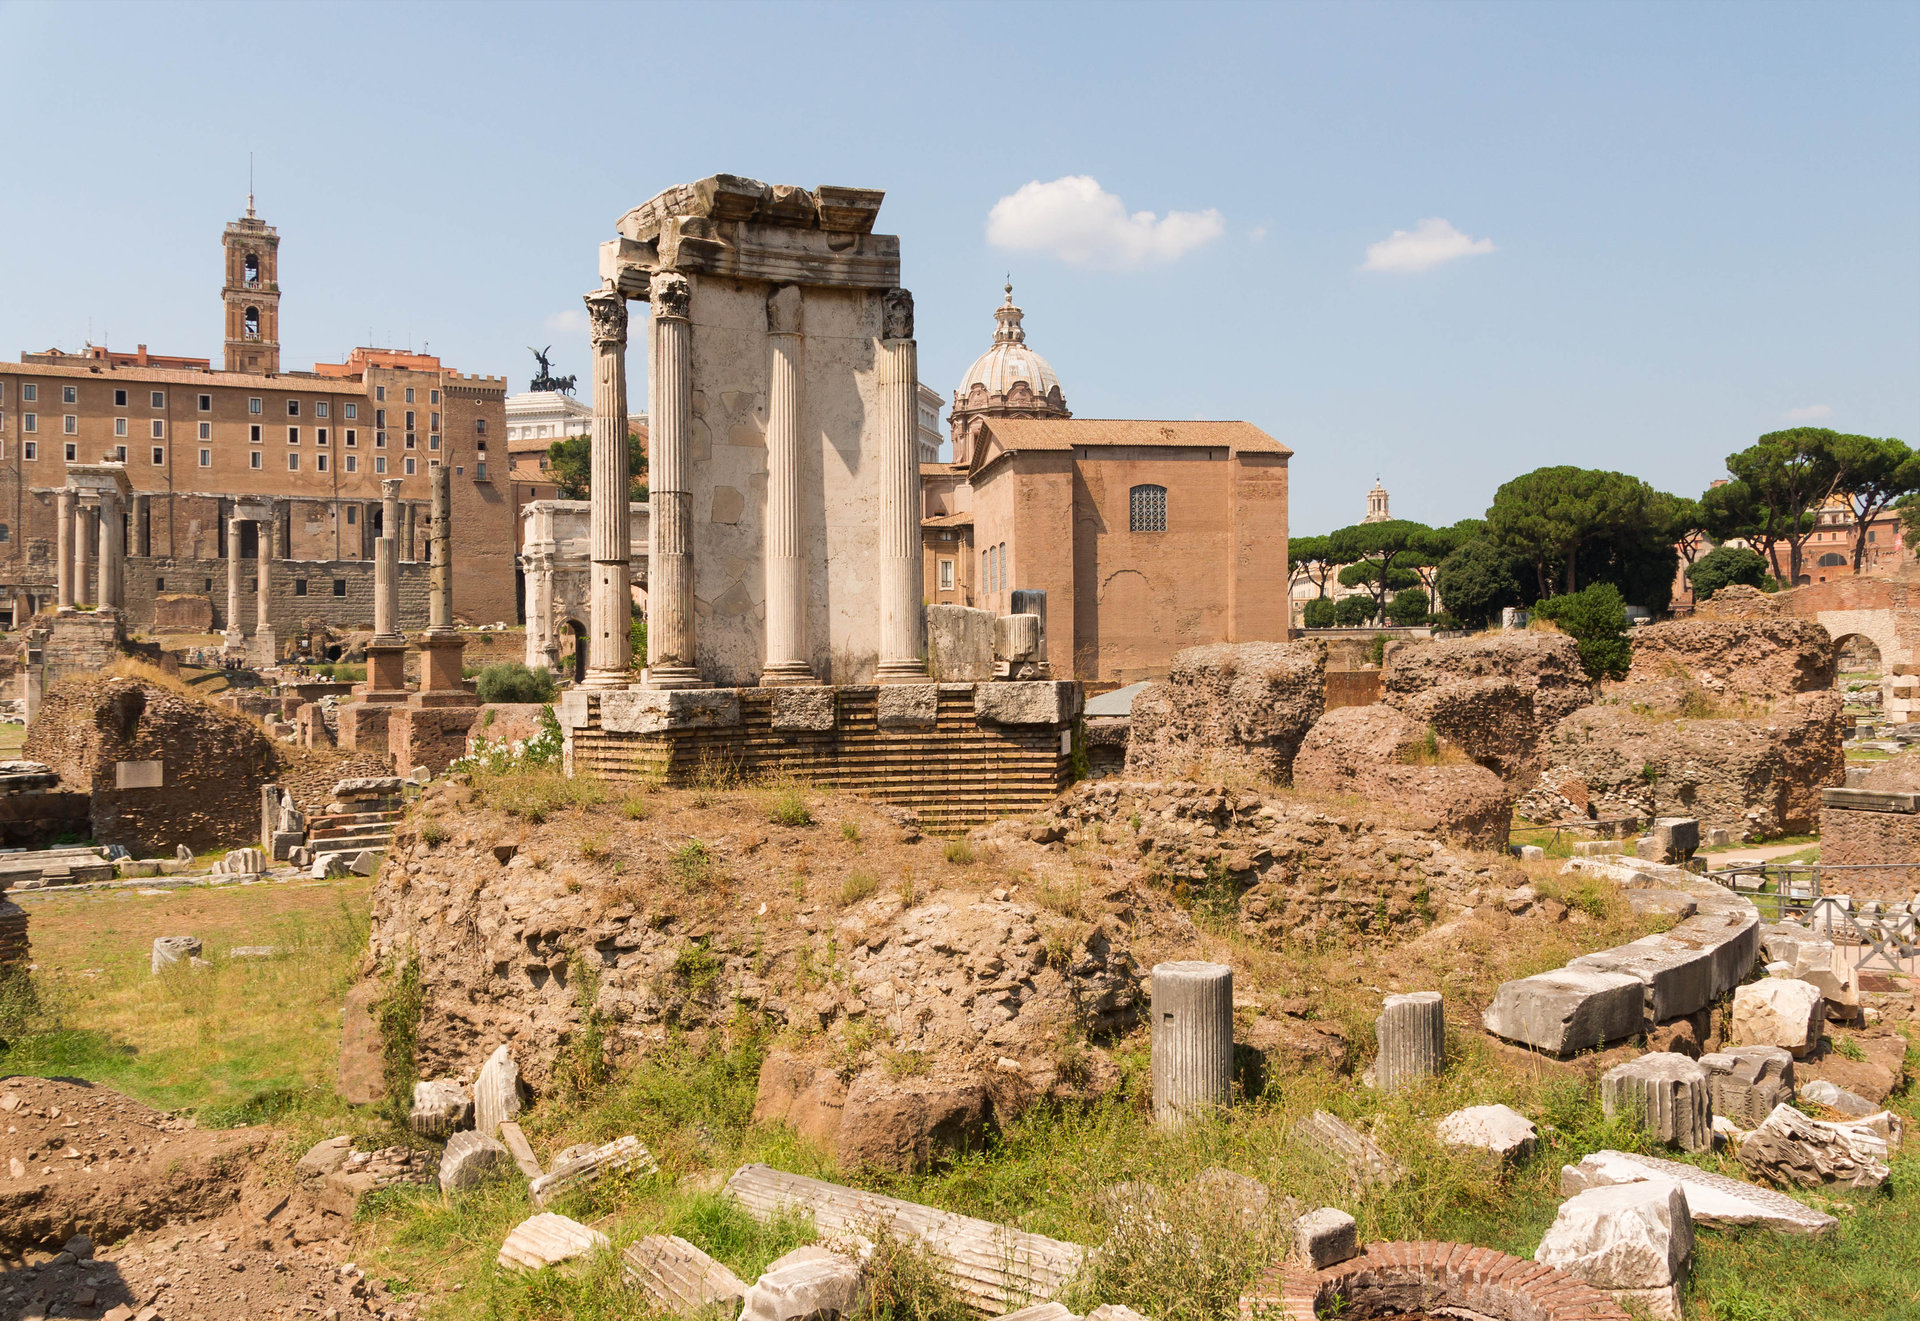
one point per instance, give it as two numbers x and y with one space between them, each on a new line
547 1239
1712 1199
1632 1240
798 1289
496 1092
1325 1237
1780 1011
1499 1129
172 949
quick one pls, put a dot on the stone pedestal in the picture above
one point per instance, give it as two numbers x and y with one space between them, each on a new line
387 673
429 736
263 648
1412 1037
364 725
1192 1039
440 664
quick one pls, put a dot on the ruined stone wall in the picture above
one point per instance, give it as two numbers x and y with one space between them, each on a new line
1378 753
1494 697
1755 658
163 768
300 590
1232 708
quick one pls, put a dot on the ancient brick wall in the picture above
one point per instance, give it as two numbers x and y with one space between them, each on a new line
1759 658
163 768
299 590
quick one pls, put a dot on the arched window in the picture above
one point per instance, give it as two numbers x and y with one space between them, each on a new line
1832 561
253 268
253 323
1147 509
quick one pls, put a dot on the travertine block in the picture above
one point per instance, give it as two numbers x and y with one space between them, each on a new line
547 1239
1325 1237
1779 1011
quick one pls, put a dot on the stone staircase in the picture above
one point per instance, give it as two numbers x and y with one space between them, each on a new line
355 830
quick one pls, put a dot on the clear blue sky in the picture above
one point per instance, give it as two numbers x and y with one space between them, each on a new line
1704 219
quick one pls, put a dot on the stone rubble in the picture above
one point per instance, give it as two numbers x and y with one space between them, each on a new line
1712 1199
1324 1238
680 1277
1779 1012
1790 1149
1632 1240
590 1164
1667 1093
470 1159
1499 1129
169 950
1745 1083
546 1240
806 1283
440 1107
496 1091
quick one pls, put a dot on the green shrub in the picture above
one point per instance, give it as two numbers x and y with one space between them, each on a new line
511 681
1596 619
960 852
1725 566
790 808
1354 611
1408 608
1319 613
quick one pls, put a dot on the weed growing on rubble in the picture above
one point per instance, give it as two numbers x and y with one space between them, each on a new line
693 866
398 1015
959 852
594 846
790 807
850 831
433 834
582 1065
635 808
536 793
858 885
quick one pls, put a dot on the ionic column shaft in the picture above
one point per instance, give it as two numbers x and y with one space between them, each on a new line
670 621
609 604
900 559
83 557
63 550
786 561
234 525
263 578
109 532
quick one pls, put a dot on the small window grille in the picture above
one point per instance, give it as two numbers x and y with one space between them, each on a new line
1147 509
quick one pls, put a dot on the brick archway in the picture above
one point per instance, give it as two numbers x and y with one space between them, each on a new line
1391 1278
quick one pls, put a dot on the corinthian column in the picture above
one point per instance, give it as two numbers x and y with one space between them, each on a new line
263 565
235 633
786 563
111 523
83 556
900 584
670 639
63 550
609 605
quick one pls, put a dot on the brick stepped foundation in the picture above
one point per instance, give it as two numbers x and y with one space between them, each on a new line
357 823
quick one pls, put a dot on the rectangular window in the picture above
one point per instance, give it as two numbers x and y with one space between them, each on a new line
299 586
159 584
159 456
435 423
253 433
206 403
409 419
353 465
29 391
206 431
159 398
3 421
119 453
31 449
411 440
379 417
29 421
352 410
409 394
433 442
1147 509
352 515
409 465
353 437
159 429
253 459
380 393
433 396
320 408
206 458
379 440
293 435
339 586
293 408
70 425
320 462
293 463
73 452
379 463
480 425
253 406
946 575
119 426
69 394
319 435
119 398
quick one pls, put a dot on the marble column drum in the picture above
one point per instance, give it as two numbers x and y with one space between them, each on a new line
609 600
786 658
671 652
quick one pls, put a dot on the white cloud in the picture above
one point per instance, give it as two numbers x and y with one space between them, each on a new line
1811 413
1432 242
1257 233
572 321
1079 222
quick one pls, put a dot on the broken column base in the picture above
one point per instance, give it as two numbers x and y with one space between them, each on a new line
386 673
428 735
363 725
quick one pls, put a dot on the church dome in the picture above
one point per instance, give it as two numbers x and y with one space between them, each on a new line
1009 362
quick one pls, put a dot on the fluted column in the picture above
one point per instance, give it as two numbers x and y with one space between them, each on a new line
386 594
111 523
901 615
1192 1011
786 560
609 604
263 574
63 549
83 557
234 527
407 539
1411 1034
670 623
390 508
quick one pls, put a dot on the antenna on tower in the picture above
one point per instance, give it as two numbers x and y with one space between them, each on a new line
249 183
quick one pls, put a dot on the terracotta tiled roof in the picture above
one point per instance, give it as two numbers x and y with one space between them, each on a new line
962 519
1062 433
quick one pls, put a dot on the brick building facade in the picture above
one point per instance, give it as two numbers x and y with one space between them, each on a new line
317 444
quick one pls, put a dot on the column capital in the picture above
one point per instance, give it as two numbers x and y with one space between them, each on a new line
390 488
607 315
896 314
671 294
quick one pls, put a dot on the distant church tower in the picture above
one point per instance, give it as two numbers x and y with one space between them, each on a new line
252 294
1377 504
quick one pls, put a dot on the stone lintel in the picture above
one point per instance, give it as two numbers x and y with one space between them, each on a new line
756 252
662 710
1033 702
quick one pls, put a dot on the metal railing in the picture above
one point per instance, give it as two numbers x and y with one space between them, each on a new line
1802 893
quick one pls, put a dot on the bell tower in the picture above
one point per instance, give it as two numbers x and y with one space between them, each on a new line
252 294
